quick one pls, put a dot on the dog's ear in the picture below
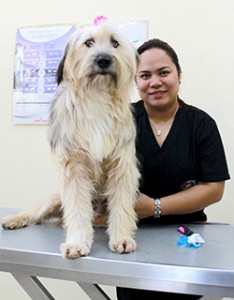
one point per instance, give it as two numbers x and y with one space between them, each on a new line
61 66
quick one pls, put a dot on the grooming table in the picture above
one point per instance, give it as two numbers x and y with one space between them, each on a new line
157 264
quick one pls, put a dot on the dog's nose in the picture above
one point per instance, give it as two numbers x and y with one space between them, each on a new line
103 61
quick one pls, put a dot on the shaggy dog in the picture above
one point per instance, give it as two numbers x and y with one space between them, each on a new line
92 137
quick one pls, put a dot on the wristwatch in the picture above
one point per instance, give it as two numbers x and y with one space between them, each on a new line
157 212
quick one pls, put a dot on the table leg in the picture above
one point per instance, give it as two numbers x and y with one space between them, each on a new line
93 291
33 287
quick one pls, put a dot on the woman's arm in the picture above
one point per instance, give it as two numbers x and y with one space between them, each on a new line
188 201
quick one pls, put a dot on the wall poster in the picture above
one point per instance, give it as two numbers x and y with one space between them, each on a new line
38 52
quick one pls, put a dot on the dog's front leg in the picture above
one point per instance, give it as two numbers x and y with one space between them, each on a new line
122 188
77 206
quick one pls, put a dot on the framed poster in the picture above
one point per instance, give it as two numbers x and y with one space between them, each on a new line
38 52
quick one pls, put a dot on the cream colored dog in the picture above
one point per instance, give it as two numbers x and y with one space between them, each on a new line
92 137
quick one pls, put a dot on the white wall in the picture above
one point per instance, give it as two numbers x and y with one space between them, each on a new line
202 33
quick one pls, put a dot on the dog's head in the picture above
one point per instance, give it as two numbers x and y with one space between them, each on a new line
98 57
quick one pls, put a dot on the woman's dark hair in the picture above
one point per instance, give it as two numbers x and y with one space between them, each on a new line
159 44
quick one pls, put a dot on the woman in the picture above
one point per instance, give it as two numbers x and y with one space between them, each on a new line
181 155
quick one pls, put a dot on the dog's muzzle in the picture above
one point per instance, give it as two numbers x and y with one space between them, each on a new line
103 61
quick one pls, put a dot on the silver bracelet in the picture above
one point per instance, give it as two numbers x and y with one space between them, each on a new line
157 212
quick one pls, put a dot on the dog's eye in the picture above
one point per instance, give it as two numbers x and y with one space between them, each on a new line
115 43
89 43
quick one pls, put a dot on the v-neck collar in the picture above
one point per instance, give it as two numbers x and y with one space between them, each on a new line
170 135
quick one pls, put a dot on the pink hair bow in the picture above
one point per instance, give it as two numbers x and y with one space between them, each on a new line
98 20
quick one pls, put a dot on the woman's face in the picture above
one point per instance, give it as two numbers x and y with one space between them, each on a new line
157 80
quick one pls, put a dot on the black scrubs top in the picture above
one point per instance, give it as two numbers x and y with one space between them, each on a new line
192 152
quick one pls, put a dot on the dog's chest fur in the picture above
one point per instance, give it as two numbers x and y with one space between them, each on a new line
92 125
100 132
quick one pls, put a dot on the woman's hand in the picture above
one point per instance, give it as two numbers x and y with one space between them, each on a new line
145 206
100 221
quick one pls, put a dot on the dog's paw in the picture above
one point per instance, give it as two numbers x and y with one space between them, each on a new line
123 245
73 250
14 222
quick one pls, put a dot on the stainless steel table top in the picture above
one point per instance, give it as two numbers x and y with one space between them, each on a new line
157 264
